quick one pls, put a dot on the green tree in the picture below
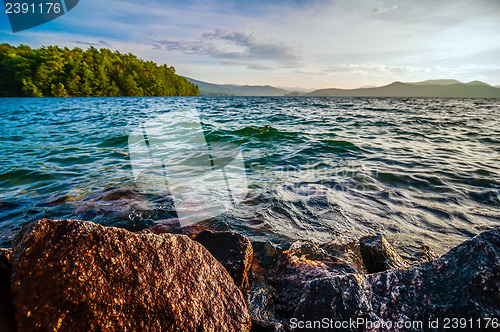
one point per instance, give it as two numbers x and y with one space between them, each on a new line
57 72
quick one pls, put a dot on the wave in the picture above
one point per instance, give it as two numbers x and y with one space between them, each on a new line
318 168
261 133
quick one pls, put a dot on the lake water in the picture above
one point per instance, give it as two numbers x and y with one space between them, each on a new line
420 171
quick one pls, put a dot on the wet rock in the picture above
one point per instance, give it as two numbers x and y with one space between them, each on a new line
78 276
234 251
171 225
261 306
266 254
259 301
348 254
427 254
266 326
116 204
302 263
261 295
119 195
378 255
7 322
342 298
463 283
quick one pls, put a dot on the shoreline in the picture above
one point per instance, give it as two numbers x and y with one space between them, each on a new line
277 289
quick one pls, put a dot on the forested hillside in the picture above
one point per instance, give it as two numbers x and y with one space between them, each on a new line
59 72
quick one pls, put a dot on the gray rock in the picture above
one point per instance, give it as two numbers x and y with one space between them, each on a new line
261 295
260 301
78 276
261 308
463 283
378 255
234 251
304 262
266 326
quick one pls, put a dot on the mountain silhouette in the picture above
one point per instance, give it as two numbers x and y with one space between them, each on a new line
439 88
448 88
210 89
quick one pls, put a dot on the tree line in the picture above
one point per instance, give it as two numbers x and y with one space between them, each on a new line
61 72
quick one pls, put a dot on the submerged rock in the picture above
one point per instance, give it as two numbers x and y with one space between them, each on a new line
7 322
116 204
232 250
171 225
378 255
464 283
261 295
78 276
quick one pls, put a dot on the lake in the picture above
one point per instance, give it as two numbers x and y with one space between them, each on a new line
420 171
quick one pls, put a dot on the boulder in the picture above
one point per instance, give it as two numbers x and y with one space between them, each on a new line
303 262
72 275
7 322
378 255
261 307
234 251
266 254
266 326
464 283
261 295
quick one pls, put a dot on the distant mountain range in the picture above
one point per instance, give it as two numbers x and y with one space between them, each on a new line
431 88
210 89
440 88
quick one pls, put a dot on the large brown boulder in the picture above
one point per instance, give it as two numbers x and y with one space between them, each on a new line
79 276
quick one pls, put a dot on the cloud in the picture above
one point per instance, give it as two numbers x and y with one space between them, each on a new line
100 43
363 73
313 43
381 10
368 70
234 46
259 67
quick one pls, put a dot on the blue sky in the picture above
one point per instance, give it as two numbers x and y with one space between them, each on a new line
308 44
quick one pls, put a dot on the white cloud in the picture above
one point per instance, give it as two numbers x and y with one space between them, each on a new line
317 43
380 10
234 47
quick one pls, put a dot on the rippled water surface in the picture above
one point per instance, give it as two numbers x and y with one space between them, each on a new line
420 171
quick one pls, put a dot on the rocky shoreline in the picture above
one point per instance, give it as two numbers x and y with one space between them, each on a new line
71 275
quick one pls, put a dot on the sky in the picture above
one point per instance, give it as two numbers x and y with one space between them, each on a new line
292 44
